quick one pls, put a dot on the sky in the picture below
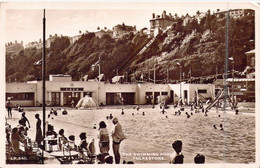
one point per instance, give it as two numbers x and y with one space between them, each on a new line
23 21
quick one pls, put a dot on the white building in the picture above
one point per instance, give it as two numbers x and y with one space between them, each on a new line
61 90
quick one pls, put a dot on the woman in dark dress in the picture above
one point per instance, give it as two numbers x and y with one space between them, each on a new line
39 137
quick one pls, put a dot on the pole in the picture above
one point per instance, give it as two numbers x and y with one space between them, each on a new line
180 83
98 76
190 74
233 62
43 80
149 75
216 73
126 76
154 74
167 75
226 59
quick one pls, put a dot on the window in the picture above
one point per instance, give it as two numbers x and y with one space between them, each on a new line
164 93
20 96
148 93
202 91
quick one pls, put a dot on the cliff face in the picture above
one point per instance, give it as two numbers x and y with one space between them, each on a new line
198 48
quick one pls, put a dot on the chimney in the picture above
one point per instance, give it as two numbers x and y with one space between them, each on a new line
153 15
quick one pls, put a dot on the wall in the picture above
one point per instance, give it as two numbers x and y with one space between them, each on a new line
22 88
87 87
209 87
176 90
61 78
139 90
150 87
119 88
191 88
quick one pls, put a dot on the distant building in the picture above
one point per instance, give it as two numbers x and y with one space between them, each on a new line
250 58
50 40
74 38
160 22
103 32
244 88
39 44
199 16
14 47
234 13
120 30
34 44
187 19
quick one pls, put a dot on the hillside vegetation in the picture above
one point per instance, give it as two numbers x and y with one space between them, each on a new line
199 48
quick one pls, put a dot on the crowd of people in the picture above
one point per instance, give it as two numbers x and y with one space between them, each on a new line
86 151
19 144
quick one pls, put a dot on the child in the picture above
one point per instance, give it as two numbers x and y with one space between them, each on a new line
199 159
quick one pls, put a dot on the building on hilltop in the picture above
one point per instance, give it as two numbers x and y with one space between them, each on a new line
74 38
160 23
34 44
14 47
103 32
187 19
120 30
199 15
235 13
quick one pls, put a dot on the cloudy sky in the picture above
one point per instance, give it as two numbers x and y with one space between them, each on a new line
23 21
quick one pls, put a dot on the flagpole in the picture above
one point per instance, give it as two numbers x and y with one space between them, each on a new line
99 76
149 75
154 73
190 74
43 82
167 75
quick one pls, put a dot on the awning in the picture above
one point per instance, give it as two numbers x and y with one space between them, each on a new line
116 78
251 52
240 79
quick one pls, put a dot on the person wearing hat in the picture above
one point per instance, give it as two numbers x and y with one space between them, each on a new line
117 136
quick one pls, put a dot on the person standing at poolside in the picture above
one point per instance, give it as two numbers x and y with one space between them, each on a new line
9 107
24 120
39 136
117 136
103 138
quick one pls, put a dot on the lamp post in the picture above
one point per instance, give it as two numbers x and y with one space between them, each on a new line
167 75
43 81
154 73
180 78
98 76
233 66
